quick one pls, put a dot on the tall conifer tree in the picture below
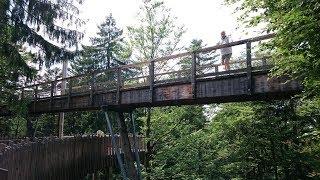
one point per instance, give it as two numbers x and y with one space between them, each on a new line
107 50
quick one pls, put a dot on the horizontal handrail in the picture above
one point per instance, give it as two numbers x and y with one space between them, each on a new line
161 59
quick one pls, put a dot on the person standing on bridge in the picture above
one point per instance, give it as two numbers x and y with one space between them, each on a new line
226 52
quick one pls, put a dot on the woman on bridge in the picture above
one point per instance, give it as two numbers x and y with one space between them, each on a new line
226 52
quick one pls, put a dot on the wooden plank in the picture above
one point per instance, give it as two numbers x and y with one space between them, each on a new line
119 83
171 93
226 73
173 72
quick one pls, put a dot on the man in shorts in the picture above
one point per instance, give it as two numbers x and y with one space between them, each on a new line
226 53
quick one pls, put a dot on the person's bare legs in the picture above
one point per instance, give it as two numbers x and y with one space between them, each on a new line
227 64
223 64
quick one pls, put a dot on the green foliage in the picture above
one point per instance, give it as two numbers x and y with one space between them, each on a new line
33 22
265 140
277 140
78 123
108 49
46 125
30 25
175 131
157 33
296 46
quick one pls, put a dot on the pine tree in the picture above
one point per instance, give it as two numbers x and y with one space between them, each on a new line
109 44
107 50
31 24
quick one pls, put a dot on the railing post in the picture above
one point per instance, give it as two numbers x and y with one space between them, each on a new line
35 98
264 63
194 75
118 85
22 93
36 92
92 89
151 80
216 68
249 68
69 92
52 94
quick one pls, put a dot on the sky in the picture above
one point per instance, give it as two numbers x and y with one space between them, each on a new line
203 19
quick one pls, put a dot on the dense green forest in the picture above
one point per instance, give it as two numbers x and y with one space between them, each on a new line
249 140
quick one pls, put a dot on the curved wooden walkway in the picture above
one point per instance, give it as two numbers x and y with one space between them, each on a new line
52 158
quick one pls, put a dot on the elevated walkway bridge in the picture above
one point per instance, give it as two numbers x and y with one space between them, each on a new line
194 77
186 78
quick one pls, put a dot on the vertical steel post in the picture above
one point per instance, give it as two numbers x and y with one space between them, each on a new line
136 152
114 144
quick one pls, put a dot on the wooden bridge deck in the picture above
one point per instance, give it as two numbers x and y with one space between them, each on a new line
186 78
50 158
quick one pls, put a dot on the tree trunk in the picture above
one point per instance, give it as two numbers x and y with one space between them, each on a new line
126 147
61 124
30 128
63 91
149 147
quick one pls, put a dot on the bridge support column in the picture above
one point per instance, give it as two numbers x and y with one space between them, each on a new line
136 152
114 144
126 147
